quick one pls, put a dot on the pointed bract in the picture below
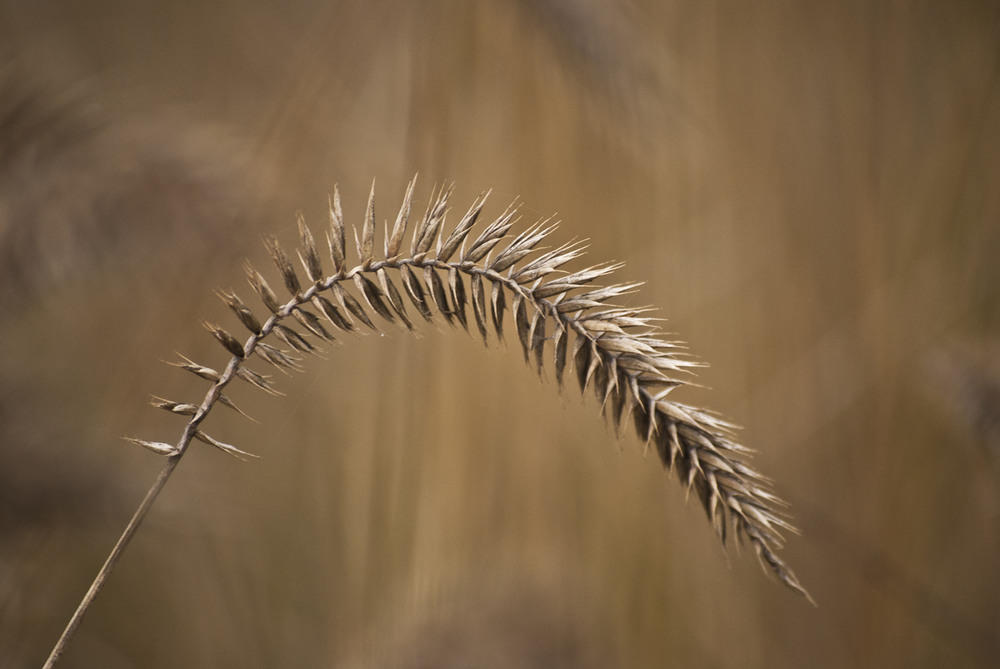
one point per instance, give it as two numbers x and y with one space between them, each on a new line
230 342
479 304
351 305
416 291
225 448
497 306
335 236
373 296
157 447
263 290
395 299
206 373
288 274
241 310
258 380
490 237
395 240
460 232
437 293
366 246
309 254
332 313
456 287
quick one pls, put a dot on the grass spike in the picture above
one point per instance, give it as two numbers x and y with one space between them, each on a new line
617 350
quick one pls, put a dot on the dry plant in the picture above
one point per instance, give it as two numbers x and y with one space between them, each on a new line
619 352
76 175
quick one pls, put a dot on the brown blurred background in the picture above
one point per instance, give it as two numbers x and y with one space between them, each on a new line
810 191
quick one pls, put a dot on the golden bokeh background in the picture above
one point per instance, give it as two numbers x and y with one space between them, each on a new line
809 190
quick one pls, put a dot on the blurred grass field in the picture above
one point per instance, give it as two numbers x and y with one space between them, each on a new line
809 190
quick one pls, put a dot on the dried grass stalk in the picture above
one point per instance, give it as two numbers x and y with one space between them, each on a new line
618 352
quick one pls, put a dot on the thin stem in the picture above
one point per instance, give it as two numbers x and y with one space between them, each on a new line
113 558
